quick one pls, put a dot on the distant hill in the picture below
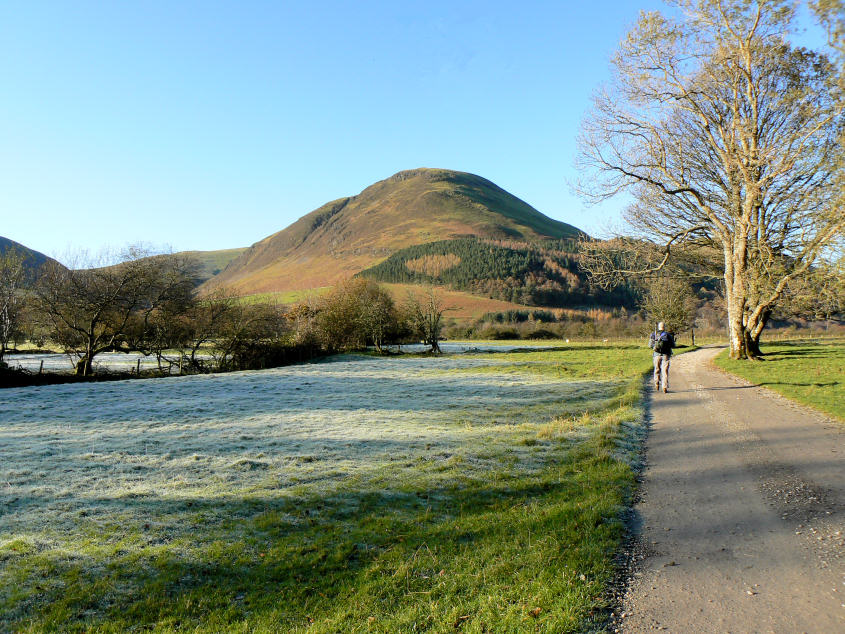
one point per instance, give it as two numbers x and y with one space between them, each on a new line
33 259
212 263
410 208
209 263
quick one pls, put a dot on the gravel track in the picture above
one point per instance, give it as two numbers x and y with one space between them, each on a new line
741 524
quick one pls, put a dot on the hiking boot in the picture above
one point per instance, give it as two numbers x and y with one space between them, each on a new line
665 389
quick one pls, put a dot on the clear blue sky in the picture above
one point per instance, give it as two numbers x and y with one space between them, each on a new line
208 125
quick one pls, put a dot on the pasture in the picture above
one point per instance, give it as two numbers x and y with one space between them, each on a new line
809 371
478 492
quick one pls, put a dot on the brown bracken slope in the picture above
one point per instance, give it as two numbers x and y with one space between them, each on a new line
348 235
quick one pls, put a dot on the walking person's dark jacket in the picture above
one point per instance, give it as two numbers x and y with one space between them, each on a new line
661 342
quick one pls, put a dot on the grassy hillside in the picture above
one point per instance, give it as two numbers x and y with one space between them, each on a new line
413 207
213 262
535 274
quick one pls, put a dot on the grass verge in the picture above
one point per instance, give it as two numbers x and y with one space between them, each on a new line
810 372
493 507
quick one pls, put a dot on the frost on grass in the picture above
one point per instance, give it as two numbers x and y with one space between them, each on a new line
163 462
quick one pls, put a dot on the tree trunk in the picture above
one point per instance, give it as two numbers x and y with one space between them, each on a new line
754 332
750 346
737 337
83 366
735 299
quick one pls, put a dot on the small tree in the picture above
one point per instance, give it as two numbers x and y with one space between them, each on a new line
12 276
338 317
379 318
245 326
356 312
203 322
670 300
425 317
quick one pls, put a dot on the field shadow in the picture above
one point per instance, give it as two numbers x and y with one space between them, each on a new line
288 559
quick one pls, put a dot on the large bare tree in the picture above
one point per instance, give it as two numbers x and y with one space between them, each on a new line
729 140
99 309
424 315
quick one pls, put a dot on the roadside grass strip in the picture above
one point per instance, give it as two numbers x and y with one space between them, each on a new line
476 492
810 372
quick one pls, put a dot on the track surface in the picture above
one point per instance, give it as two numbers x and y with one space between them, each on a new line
742 518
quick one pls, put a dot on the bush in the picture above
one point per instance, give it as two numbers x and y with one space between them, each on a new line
257 356
503 334
541 333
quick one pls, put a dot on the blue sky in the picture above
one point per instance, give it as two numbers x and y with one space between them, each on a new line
207 125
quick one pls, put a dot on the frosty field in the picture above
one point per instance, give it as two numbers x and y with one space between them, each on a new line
356 494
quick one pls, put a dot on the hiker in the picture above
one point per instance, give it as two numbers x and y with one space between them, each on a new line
662 343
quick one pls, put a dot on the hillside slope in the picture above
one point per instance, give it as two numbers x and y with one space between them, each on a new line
33 259
212 263
530 273
412 207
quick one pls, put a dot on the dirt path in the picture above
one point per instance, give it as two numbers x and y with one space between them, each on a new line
742 517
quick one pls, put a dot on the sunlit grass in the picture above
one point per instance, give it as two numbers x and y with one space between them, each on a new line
811 372
284 297
474 492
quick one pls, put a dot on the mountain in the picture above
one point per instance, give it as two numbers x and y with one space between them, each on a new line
33 259
413 207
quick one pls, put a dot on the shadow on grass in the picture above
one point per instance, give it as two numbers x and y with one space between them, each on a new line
798 384
784 354
323 562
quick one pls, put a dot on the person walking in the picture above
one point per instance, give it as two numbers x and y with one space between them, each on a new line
661 342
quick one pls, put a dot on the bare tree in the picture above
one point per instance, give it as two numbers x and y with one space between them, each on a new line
425 317
12 277
670 300
729 139
244 326
176 334
95 310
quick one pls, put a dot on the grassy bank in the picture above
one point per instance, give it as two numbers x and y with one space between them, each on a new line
810 372
472 492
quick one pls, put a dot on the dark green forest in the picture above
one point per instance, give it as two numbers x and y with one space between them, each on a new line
537 274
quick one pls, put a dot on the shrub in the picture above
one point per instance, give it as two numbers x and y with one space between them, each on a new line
541 333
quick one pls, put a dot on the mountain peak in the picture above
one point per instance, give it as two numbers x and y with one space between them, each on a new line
410 207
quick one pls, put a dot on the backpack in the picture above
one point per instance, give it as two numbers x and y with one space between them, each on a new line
663 343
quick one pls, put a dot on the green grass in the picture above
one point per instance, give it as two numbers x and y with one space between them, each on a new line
499 515
212 262
284 297
810 372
